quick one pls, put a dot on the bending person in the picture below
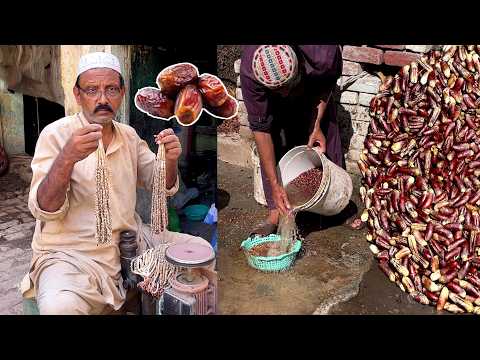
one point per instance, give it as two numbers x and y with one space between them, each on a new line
288 95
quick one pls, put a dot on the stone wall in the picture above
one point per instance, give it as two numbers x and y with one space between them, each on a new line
244 130
11 123
359 82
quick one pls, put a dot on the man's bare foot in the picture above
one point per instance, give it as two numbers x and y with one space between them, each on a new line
267 226
356 224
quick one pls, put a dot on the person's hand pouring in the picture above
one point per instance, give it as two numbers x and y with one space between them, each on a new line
281 199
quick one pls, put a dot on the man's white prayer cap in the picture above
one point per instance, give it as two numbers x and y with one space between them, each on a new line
98 60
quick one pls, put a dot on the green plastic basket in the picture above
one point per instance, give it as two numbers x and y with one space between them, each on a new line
269 263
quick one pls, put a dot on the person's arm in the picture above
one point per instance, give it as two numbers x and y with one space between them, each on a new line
260 120
323 66
316 136
267 158
52 169
53 189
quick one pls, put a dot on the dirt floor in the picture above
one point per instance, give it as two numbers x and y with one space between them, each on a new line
335 272
16 229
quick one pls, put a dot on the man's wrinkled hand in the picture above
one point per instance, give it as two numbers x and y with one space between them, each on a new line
82 143
173 148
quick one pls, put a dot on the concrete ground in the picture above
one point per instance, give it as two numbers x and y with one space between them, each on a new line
335 272
16 230
378 296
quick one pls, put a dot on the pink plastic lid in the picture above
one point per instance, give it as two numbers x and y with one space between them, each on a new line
189 254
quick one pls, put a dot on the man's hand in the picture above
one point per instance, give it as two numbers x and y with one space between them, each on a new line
281 199
82 143
317 137
173 148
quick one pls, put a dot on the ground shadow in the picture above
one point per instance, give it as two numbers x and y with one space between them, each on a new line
309 222
223 199
4 161
344 119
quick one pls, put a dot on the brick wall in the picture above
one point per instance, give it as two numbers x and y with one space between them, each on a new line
353 99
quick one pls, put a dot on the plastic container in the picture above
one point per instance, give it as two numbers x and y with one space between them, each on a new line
335 189
269 263
196 212
211 219
212 215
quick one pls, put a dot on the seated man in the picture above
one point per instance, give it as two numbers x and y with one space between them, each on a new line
70 272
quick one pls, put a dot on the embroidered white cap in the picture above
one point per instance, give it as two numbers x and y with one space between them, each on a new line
98 60
274 65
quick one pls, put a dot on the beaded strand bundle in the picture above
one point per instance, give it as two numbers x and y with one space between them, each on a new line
103 217
155 270
159 212
152 265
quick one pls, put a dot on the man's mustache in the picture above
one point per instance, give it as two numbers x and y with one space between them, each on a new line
103 107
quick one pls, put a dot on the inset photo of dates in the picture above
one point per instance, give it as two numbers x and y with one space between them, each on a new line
183 94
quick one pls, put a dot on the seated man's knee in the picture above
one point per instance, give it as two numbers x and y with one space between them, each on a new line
61 303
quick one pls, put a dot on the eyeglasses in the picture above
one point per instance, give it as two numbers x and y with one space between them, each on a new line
110 92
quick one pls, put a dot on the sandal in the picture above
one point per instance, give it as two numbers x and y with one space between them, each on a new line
263 229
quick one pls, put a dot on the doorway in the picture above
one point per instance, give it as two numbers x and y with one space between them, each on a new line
38 113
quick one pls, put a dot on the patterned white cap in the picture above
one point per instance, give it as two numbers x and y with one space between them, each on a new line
274 65
98 60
